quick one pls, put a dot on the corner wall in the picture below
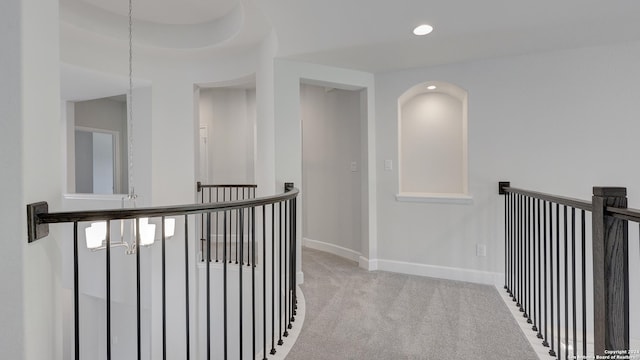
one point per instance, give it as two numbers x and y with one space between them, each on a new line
288 135
41 176
12 337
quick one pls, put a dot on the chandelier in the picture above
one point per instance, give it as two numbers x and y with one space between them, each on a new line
96 234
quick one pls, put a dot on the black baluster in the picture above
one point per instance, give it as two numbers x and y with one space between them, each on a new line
224 226
249 244
237 227
253 282
273 285
138 295
545 343
539 240
224 279
286 283
506 243
208 285
280 342
533 255
201 227
294 283
108 281
512 255
520 255
584 285
525 239
240 215
566 286
552 347
558 275
164 294
76 294
264 283
217 221
186 285
573 278
242 224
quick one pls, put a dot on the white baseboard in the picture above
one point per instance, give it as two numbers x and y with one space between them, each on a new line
367 264
332 249
440 272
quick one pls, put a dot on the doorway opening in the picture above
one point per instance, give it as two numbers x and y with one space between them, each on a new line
334 168
99 143
227 117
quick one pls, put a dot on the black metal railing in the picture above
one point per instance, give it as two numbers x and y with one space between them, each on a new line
264 293
554 259
221 193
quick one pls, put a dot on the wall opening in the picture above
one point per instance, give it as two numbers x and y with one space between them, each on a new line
227 133
333 168
100 153
432 142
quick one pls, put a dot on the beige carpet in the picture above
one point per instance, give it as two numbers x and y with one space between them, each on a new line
355 314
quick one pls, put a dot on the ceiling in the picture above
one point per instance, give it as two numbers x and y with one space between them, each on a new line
370 35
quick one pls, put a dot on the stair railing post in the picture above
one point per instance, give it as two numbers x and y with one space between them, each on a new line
610 272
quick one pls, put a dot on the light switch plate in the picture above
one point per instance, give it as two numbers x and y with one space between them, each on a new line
388 165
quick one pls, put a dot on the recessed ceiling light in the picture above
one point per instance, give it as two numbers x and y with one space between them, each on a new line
423 29
431 87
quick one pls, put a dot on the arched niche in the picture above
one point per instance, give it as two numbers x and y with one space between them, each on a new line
432 143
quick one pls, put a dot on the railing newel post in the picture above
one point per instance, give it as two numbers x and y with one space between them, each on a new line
610 272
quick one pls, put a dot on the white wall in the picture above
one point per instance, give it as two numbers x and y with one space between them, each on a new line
229 116
330 143
265 118
12 337
39 98
557 122
105 114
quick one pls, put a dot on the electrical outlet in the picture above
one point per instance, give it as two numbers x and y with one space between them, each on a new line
354 166
481 250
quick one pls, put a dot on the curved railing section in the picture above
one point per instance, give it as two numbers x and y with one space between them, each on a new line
248 302
222 193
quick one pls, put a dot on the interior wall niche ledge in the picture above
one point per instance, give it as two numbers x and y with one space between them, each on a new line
105 197
435 198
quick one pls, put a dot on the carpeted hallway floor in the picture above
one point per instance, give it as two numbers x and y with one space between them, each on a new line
355 314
